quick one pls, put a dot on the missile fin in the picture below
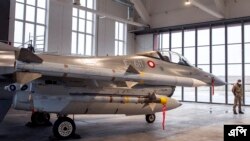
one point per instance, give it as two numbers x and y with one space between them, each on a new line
131 84
25 77
151 105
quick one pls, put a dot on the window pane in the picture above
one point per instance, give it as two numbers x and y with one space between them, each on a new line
247 32
219 71
234 73
218 35
74 12
116 48
30 13
189 38
19 11
18 33
177 93
81 25
121 31
177 50
41 3
247 84
218 55
203 55
73 43
40 16
81 44
82 14
204 68
165 40
31 2
121 48
234 53
74 24
247 51
203 94
189 53
116 30
219 92
40 31
90 4
88 45
189 94
203 37
29 32
40 36
89 16
89 27
83 3
176 39
234 34
20 1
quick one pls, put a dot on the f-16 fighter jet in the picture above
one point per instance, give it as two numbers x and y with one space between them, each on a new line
65 85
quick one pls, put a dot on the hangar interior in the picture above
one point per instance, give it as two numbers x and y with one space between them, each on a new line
214 35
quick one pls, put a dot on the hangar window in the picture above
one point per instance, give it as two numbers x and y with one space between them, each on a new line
120 38
83 29
30 23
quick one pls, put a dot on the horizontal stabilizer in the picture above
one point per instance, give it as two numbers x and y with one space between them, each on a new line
26 77
28 56
131 69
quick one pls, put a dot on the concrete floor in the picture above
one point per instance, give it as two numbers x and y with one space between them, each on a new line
192 121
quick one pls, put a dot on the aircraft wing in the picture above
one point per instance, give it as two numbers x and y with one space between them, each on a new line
95 73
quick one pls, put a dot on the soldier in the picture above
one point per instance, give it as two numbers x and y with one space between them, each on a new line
237 91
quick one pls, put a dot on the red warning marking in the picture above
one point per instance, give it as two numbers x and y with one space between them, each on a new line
212 86
151 64
164 109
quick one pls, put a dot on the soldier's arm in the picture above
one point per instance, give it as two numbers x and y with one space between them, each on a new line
233 89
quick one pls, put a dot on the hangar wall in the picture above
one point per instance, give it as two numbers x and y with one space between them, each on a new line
166 13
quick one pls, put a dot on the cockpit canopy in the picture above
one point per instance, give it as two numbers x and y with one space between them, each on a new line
168 56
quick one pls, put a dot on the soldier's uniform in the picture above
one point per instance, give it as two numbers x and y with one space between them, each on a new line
237 91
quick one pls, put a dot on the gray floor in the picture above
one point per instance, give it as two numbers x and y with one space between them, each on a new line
192 121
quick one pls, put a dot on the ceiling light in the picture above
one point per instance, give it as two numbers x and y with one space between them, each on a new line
187 2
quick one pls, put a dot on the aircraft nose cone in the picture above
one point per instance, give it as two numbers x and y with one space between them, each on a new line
219 82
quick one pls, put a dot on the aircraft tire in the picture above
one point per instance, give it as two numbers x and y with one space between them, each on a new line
150 118
40 118
64 128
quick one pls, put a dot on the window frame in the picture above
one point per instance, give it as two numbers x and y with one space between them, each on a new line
35 23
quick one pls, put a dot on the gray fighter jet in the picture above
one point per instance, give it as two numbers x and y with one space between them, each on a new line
64 85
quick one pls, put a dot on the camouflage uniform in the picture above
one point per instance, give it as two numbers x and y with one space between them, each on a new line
237 91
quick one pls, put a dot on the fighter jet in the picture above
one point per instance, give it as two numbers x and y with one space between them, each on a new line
65 85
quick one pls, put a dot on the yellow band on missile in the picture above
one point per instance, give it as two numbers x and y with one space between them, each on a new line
126 99
163 100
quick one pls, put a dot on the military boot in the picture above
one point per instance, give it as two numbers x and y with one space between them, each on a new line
240 112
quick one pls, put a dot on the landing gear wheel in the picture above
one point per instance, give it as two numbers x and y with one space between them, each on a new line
40 118
150 118
64 128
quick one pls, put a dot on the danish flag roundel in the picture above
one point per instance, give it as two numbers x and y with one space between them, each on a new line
151 64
